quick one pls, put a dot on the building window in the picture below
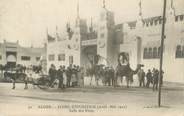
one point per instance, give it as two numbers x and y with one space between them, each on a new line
51 57
156 22
145 54
37 58
0 57
70 59
154 52
159 52
150 53
25 58
176 18
181 18
178 51
183 51
61 57
102 35
151 23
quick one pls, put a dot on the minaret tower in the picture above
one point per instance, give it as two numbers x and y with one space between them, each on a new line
140 10
170 16
105 34
81 25
91 26
80 31
78 16
139 24
171 8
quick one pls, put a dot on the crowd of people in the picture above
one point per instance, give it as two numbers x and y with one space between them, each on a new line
70 76
152 77
73 75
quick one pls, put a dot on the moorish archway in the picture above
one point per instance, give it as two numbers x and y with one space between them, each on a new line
11 58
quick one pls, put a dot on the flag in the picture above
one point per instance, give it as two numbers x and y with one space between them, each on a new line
140 8
50 38
69 30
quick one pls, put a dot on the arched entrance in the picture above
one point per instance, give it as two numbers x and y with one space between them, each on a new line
88 55
11 58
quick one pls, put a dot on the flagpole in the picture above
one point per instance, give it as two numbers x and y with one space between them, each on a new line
161 53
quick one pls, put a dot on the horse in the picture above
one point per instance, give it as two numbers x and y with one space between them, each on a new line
14 75
19 73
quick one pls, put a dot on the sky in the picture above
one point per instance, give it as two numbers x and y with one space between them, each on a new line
28 20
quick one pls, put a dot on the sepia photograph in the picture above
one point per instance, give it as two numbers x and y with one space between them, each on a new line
91 57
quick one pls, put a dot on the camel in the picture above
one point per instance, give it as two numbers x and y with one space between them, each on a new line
125 71
121 71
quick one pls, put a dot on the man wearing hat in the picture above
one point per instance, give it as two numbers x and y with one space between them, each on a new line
60 76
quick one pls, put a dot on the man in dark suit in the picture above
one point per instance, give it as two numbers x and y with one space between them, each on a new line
148 78
141 75
60 77
68 74
52 73
155 79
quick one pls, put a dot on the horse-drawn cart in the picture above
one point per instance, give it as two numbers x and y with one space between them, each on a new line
43 81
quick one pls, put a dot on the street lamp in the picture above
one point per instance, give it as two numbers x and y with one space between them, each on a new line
161 53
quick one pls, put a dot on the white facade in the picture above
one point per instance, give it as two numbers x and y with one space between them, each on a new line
12 53
149 31
132 37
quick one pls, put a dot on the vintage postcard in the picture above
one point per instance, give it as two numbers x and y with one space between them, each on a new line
91 57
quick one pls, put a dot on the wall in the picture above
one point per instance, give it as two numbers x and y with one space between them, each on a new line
151 35
21 51
2 53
